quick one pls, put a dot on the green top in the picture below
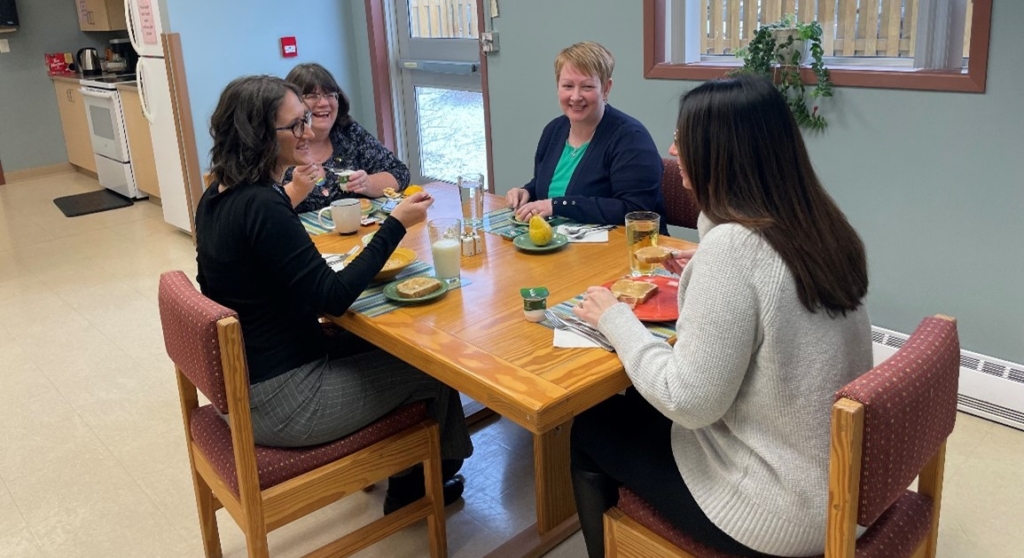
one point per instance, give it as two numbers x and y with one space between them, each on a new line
566 166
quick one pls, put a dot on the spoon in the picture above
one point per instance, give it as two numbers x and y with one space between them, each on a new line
576 233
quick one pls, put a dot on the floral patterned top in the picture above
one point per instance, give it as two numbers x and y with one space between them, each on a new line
354 149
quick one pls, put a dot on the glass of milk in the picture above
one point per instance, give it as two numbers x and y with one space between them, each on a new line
446 248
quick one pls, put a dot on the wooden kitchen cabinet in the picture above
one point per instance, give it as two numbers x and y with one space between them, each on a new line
140 142
75 124
101 15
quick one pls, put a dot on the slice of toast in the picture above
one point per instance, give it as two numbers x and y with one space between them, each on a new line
633 292
417 287
652 254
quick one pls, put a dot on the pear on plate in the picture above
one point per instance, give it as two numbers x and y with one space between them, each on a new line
540 231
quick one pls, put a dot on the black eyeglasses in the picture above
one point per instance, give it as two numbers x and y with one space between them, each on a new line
314 98
298 128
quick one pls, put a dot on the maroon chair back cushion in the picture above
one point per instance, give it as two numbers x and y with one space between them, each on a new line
680 206
189 322
909 410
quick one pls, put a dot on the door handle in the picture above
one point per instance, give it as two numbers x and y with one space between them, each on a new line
438 67
68 93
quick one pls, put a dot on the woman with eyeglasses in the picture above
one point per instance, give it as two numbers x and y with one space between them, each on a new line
255 257
339 143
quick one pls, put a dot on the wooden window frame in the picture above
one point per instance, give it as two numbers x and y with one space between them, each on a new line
970 81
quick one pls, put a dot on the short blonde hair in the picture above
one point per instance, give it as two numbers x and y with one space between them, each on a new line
587 57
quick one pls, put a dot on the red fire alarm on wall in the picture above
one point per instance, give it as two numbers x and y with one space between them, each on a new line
289 48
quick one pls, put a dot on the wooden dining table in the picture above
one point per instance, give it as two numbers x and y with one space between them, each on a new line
476 339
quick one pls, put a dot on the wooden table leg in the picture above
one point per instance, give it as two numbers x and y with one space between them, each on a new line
553 485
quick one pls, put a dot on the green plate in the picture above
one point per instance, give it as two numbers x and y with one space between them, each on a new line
524 243
391 292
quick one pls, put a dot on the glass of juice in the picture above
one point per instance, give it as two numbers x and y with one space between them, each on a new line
641 231
446 248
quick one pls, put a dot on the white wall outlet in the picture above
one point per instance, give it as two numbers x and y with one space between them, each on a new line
5 46
489 42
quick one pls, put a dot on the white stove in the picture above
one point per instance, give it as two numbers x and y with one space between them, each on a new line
108 134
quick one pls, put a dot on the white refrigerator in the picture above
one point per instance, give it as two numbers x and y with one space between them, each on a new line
144 29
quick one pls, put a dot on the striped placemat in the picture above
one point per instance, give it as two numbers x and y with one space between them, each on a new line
501 222
661 330
312 225
372 301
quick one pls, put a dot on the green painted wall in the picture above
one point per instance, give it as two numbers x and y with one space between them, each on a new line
934 182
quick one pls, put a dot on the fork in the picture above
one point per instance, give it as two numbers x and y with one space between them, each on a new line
588 332
334 259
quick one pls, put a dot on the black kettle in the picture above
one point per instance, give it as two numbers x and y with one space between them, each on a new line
88 62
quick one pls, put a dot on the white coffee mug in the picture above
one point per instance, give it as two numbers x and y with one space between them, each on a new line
345 213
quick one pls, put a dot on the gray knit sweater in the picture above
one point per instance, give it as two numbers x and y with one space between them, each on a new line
749 386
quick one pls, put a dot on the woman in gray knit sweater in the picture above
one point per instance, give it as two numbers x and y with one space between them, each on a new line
727 432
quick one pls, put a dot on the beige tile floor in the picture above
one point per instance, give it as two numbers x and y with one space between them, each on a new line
92 460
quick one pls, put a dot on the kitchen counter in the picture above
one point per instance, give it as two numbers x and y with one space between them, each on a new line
131 86
70 78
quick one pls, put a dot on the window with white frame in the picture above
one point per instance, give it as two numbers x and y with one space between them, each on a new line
864 38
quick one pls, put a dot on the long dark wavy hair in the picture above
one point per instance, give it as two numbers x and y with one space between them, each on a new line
245 147
312 76
746 162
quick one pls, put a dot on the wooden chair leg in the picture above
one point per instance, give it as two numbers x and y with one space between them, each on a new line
436 531
207 508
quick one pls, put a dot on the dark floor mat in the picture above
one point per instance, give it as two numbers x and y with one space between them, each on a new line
91 202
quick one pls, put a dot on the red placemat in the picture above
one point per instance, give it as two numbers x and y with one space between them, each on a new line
662 307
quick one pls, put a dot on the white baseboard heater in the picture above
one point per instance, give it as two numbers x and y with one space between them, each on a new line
989 388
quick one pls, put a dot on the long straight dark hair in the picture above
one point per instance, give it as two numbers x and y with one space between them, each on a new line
746 162
245 145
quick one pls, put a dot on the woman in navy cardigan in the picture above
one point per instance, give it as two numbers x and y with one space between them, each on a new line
595 163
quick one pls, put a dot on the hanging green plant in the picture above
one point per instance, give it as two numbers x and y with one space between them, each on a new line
777 50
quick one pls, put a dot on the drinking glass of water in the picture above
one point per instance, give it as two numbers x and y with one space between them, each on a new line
471 194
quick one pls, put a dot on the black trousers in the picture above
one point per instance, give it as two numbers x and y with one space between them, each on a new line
628 441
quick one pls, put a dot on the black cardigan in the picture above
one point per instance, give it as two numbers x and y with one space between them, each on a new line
255 257
620 171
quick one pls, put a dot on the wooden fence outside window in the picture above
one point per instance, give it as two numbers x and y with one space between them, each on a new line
444 19
869 28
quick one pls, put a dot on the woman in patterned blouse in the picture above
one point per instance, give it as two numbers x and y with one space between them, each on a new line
342 144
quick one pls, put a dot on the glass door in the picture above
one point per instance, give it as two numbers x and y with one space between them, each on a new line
440 104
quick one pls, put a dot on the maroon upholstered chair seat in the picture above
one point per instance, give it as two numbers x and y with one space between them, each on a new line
644 514
895 534
680 206
276 465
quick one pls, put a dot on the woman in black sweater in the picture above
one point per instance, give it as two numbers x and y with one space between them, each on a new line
255 257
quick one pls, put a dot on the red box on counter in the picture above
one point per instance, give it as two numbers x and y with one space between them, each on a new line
59 64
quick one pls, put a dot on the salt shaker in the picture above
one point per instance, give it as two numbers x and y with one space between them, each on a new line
478 243
468 245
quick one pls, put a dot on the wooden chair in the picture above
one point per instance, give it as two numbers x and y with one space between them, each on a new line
680 206
889 426
263 488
